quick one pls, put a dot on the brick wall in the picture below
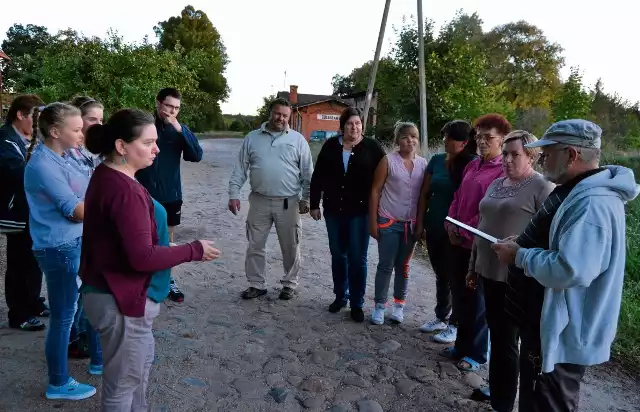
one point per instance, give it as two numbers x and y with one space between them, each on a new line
309 117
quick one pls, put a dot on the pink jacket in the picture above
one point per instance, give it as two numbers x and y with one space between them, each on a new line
476 178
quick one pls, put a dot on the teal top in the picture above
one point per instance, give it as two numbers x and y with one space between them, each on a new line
441 191
160 281
159 286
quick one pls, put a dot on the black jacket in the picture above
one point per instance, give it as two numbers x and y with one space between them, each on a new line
345 193
14 210
162 178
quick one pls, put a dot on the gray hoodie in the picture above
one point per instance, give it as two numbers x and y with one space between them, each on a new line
583 271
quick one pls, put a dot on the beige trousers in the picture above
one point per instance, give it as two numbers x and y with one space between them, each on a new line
128 349
263 214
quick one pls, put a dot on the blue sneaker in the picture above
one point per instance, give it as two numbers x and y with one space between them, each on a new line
72 391
95 369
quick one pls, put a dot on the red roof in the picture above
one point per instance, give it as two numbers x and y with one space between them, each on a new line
4 56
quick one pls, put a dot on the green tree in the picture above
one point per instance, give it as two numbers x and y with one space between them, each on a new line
525 62
194 36
118 74
456 68
21 45
263 111
572 100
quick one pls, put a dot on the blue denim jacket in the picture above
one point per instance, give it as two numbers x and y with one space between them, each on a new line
54 186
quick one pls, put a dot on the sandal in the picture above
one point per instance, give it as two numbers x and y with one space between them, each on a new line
481 394
473 365
450 353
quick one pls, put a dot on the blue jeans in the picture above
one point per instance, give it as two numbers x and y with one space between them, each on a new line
395 248
80 327
349 244
60 266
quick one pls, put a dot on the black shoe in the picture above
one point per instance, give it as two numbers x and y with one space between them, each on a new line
357 314
175 294
79 348
30 325
252 293
481 394
337 305
287 293
42 310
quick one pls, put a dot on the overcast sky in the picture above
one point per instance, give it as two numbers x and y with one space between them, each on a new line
314 40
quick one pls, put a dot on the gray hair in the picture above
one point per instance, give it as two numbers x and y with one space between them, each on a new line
401 126
589 155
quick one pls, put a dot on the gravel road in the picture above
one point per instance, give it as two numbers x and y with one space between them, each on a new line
215 352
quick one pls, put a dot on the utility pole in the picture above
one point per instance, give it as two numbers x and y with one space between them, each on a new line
374 66
424 137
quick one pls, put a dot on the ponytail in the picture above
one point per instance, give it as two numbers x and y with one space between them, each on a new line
34 134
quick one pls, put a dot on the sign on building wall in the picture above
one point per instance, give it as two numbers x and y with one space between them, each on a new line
328 117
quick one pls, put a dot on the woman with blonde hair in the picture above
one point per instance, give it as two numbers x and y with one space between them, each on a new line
55 190
392 218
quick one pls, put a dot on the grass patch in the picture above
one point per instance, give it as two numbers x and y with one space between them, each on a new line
221 134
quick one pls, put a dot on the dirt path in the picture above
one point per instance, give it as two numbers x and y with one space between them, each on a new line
218 353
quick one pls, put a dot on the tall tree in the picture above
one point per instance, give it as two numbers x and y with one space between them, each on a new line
572 100
194 36
22 41
523 60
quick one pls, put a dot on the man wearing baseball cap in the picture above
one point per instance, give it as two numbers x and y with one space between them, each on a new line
574 249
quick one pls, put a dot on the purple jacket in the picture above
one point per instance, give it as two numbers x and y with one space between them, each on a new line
476 178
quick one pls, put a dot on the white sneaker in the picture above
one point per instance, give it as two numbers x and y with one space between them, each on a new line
377 316
397 313
433 325
447 336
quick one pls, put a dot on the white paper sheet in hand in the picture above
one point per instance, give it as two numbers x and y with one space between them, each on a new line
472 230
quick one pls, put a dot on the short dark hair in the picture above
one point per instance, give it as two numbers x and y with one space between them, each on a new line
24 104
347 114
279 102
125 124
168 92
494 120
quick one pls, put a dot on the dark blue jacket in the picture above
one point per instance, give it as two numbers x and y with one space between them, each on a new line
162 179
14 210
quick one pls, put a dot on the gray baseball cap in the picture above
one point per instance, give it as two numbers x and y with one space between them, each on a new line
574 132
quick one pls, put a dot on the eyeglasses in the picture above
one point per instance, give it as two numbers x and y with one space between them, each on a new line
485 136
543 156
172 107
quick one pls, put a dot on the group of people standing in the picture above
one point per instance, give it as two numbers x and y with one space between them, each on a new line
92 205
552 282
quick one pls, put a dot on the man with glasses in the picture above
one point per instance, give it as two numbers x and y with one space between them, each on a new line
574 248
162 179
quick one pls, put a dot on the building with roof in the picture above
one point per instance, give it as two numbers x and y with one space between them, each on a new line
316 116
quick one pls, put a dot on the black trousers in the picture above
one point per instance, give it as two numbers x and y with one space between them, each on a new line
558 390
473 334
439 250
503 364
23 279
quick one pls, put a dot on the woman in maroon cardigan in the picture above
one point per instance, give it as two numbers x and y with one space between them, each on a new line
120 254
